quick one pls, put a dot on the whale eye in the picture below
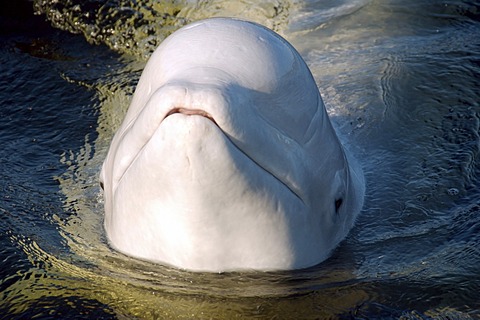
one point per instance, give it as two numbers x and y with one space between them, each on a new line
101 185
338 204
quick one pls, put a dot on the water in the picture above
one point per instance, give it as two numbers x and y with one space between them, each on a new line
401 82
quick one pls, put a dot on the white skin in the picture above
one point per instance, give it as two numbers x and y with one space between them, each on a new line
226 159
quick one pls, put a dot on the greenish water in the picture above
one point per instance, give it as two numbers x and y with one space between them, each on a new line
400 81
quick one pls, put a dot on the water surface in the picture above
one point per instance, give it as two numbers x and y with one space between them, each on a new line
400 80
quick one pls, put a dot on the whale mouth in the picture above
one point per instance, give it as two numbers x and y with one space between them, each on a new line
192 112
202 113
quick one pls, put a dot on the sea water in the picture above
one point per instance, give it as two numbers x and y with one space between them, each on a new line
401 83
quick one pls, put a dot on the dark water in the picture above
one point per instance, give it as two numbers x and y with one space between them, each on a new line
47 109
401 81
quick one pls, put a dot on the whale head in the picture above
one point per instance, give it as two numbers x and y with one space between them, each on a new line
226 158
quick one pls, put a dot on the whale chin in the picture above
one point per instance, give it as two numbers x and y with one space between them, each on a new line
204 121
210 197
195 135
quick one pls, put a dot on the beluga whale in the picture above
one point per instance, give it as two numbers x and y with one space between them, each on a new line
226 159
